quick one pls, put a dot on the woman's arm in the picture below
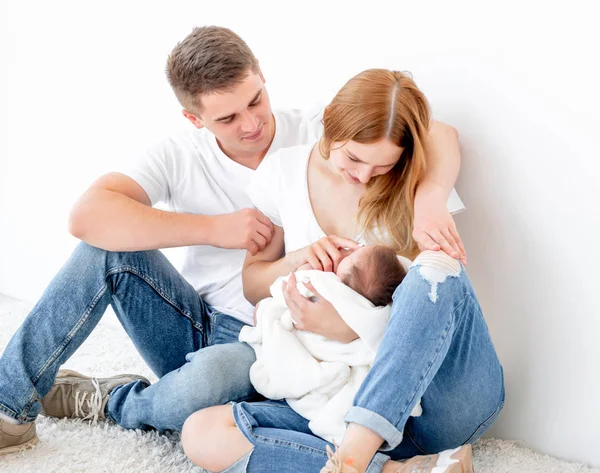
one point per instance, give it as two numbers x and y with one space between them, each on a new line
442 154
262 269
434 227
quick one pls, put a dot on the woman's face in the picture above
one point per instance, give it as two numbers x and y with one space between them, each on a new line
357 163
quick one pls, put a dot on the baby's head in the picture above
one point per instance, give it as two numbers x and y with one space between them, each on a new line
374 272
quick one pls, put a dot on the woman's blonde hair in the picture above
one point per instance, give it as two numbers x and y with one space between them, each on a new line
374 105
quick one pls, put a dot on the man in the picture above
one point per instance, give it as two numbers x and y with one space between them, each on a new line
186 325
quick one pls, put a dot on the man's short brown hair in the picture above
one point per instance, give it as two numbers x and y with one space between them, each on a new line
209 59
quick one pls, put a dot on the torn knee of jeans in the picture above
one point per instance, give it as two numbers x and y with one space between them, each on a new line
435 267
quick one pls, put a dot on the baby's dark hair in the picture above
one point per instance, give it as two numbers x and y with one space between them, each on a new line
377 277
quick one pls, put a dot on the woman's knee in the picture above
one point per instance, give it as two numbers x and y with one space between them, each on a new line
202 433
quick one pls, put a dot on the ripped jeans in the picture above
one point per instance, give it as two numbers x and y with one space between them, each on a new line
436 349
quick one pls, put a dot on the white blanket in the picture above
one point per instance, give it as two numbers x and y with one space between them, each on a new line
318 377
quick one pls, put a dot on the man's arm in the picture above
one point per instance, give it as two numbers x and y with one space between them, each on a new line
434 228
115 214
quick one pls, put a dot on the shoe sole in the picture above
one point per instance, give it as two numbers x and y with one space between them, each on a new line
18 448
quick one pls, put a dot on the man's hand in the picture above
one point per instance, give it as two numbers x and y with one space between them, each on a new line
434 227
246 229
319 317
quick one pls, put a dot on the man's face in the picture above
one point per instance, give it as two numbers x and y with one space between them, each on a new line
241 120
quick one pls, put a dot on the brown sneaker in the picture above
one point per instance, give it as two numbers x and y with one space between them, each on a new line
335 464
74 395
16 437
459 460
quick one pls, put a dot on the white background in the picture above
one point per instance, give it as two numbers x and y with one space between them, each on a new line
82 87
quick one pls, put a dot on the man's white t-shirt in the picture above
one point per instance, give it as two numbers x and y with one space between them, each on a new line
191 174
279 189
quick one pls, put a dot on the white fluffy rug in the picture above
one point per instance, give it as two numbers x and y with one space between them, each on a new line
73 446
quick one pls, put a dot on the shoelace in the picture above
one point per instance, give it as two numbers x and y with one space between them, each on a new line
93 403
334 463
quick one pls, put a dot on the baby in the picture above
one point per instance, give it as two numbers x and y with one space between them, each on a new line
319 377
373 271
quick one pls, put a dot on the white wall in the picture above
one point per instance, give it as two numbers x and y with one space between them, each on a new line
83 87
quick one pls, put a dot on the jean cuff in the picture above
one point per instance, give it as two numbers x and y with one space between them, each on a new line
376 465
378 424
239 466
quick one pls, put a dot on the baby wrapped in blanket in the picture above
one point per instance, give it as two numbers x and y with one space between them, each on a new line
319 377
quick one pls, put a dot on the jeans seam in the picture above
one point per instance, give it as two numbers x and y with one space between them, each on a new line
486 422
70 335
437 352
284 443
412 439
154 285
444 337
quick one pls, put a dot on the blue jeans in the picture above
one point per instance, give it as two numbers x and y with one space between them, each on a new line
193 349
436 349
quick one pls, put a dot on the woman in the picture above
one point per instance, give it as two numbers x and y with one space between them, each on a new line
358 185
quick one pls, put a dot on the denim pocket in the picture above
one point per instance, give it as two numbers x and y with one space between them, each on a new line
224 328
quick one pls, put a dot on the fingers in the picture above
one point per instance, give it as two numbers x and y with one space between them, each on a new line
312 289
324 259
344 242
252 248
262 229
260 241
313 260
294 300
458 240
335 256
329 251
444 244
257 228
263 219
425 242
455 252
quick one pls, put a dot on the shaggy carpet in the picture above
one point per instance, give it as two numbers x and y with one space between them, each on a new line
73 446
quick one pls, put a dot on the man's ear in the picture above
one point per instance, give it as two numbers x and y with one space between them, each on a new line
194 120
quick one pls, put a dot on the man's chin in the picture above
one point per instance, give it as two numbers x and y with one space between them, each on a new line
255 147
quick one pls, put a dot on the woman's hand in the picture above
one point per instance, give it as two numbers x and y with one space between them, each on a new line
434 227
325 254
317 316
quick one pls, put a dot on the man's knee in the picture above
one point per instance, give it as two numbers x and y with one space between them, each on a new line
213 376
94 256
